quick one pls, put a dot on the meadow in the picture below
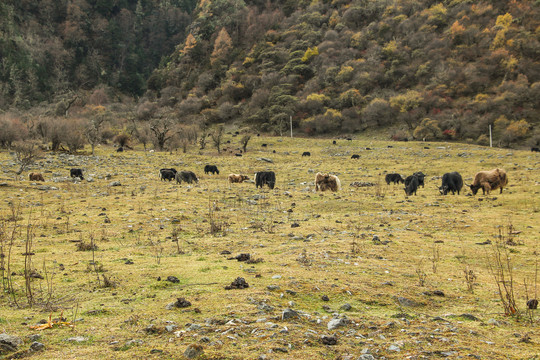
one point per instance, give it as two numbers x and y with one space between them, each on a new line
363 273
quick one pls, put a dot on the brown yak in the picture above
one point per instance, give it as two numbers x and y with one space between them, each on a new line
325 182
489 180
36 177
235 178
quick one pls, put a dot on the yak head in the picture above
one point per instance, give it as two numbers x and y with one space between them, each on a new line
474 188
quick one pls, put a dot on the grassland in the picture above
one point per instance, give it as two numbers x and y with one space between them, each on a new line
404 296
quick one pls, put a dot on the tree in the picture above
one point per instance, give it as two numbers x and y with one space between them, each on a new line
26 153
163 130
92 130
217 137
222 46
428 129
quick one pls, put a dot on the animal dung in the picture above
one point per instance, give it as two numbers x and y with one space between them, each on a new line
238 283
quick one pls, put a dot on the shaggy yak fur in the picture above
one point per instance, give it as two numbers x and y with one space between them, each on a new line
325 182
489 180
36 177
236 178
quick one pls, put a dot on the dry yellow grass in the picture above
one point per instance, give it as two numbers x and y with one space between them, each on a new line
312 244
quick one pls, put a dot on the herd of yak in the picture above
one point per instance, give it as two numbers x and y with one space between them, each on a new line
451 182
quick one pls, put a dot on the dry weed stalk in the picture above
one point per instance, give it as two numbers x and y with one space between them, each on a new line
422 276
501 269
470 278
436 257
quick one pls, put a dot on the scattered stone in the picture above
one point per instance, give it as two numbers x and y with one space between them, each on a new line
9 342
328 340
346 307
77 339
272 287
225 252
193 351
394 348
238 283
34 337
337 323
403 301
37 346
433 293
325 298
115 183
289 314
366 357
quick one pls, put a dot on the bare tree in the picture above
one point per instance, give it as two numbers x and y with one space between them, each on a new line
93 128
163 130
244 141
26 153
217 137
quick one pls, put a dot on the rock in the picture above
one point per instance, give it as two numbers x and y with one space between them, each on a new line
336 323
328 340
193 351
171 328
77 339
325 298
37 346
265 307
272 287
394 348
493 322
346 307
403 301
115 183
366 357
34 337
9 342
289 314
179 303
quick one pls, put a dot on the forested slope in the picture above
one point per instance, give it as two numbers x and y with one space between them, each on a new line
424 69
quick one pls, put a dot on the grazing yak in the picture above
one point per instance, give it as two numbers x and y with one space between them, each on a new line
355 156
393 178
36 177
265 177
420 175
187 176
167 174
535 149
411 185
489 180
237 178
76 173
451 182
306 153
211 169
325 182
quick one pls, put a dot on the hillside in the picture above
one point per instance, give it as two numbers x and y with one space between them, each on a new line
424 69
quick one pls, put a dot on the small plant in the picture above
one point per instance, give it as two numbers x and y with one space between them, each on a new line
422 276
174 238
501 269
435 257
470 278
